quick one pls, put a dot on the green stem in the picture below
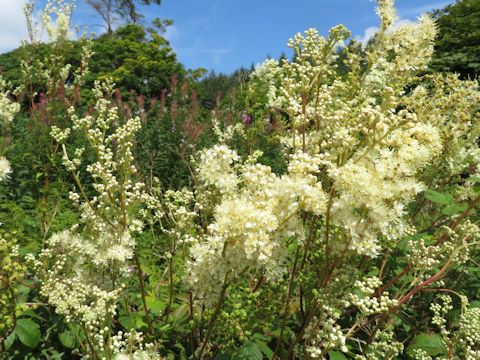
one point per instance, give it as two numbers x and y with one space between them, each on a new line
142 288
214 316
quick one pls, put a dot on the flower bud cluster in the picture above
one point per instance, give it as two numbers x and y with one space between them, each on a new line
81 268
11 270
59 135
383 347
369 304
469 332
440 313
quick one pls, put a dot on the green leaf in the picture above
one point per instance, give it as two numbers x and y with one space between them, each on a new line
9 341
436 197
32 314
28 332
454 209
250 351
474 304
140 323
127 321
473 178
430 343
180 312
67 338
264 348
155 306
223 356
336 355
261 337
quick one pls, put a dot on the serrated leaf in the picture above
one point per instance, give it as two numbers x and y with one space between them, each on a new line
67 338
155 306
140 323
127 321
436 197
180 312
430 343
28 332
261 337
250 351
454 209
264 348
336 355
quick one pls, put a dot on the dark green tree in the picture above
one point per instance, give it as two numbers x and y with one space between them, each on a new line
135 60
457 48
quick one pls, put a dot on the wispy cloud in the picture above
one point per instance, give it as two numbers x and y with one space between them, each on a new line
419 10
370 32
12 25
216 51
367 35
172 33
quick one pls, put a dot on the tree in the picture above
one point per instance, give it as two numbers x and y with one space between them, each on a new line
105 8
127 8
110 10
457 46
135 61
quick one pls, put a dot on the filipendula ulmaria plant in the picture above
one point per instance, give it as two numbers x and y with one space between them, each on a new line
359 149
11 268
83 269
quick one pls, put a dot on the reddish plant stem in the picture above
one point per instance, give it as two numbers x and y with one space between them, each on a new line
142 288
287 303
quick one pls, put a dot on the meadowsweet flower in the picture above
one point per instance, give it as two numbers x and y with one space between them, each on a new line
5 168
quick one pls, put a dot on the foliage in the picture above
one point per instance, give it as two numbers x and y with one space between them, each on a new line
126 9
456 47
135 62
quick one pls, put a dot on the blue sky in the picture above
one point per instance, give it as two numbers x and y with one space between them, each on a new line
225 34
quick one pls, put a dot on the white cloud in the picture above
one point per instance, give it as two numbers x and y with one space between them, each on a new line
367 35
172 33
371 31
12 25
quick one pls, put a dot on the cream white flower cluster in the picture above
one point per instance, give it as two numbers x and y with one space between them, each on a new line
440 313
449 105
129 346
372 152
8 108
268 75
379 185
5 168
410 47
82 268
59 31
466 334
254 212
